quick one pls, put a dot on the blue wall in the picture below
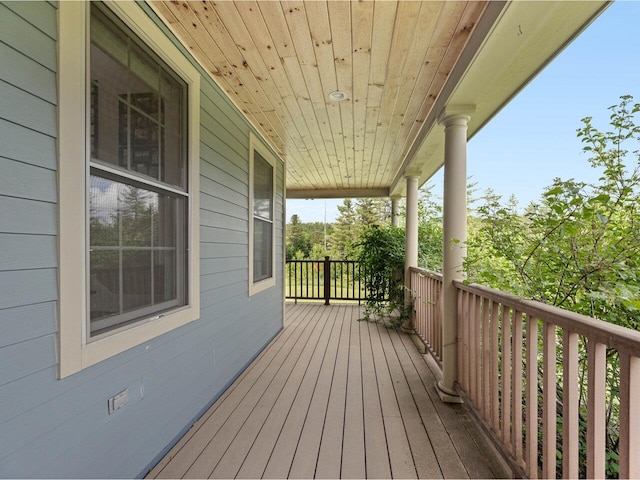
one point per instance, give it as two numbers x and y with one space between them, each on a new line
61 428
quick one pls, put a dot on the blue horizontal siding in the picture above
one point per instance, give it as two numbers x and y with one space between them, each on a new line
22 323
19 215
25 287
220 190
61 428
28 146
41 15
22 72
27 252
24 37
216 204
230 222
27 110
19 360
27 181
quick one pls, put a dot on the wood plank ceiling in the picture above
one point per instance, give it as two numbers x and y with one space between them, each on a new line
279 60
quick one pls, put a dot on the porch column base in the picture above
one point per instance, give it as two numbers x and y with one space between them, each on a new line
447 395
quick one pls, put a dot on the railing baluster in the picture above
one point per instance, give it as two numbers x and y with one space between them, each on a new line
629 416
516 385
462 328
549 433
495 386
438 319
596 409
428 298
486 360
570 398
532 397
506 377
466 335
462 339
473 364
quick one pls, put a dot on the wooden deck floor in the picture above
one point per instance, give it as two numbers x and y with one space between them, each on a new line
332 397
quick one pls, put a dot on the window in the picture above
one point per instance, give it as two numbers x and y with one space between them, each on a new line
128 182
137 191
261 226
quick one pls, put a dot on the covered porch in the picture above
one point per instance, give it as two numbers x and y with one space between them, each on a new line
332 397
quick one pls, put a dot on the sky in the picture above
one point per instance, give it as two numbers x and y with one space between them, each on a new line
533 139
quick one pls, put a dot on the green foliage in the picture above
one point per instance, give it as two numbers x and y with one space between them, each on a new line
305 240
345 231
297 241
380 251
353 218
429 230
578 248
494 243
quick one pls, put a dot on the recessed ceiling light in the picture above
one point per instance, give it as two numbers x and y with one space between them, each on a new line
338 96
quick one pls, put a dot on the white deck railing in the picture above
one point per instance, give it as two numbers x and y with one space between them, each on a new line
532 399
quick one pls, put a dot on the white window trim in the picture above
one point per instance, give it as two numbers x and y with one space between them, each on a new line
74 351
256 145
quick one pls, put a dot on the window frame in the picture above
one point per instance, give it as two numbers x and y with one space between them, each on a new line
75 350
255 145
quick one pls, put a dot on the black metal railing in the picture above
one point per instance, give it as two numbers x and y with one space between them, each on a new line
325 280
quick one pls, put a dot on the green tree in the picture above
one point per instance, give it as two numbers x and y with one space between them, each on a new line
579 248
296 239
316 232
429 230
367 212
345 230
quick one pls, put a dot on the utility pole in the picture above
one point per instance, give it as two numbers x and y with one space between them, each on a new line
325 225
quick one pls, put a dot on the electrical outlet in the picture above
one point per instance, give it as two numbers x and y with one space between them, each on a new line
118 401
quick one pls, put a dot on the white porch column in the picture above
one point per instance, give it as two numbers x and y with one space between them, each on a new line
454 218
410 236
395 207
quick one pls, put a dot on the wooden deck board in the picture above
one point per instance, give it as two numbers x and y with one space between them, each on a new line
331 397
353 439
238 390
400 457
306 455
284 432
424 458
376 448
330 455
266 421
478 456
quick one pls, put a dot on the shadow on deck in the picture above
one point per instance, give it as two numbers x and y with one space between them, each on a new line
332 397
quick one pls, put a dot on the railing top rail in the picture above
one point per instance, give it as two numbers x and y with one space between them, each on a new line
426 273
306 260
621 338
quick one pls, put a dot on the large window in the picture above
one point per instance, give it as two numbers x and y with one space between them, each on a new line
261 229
128 182
138 191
